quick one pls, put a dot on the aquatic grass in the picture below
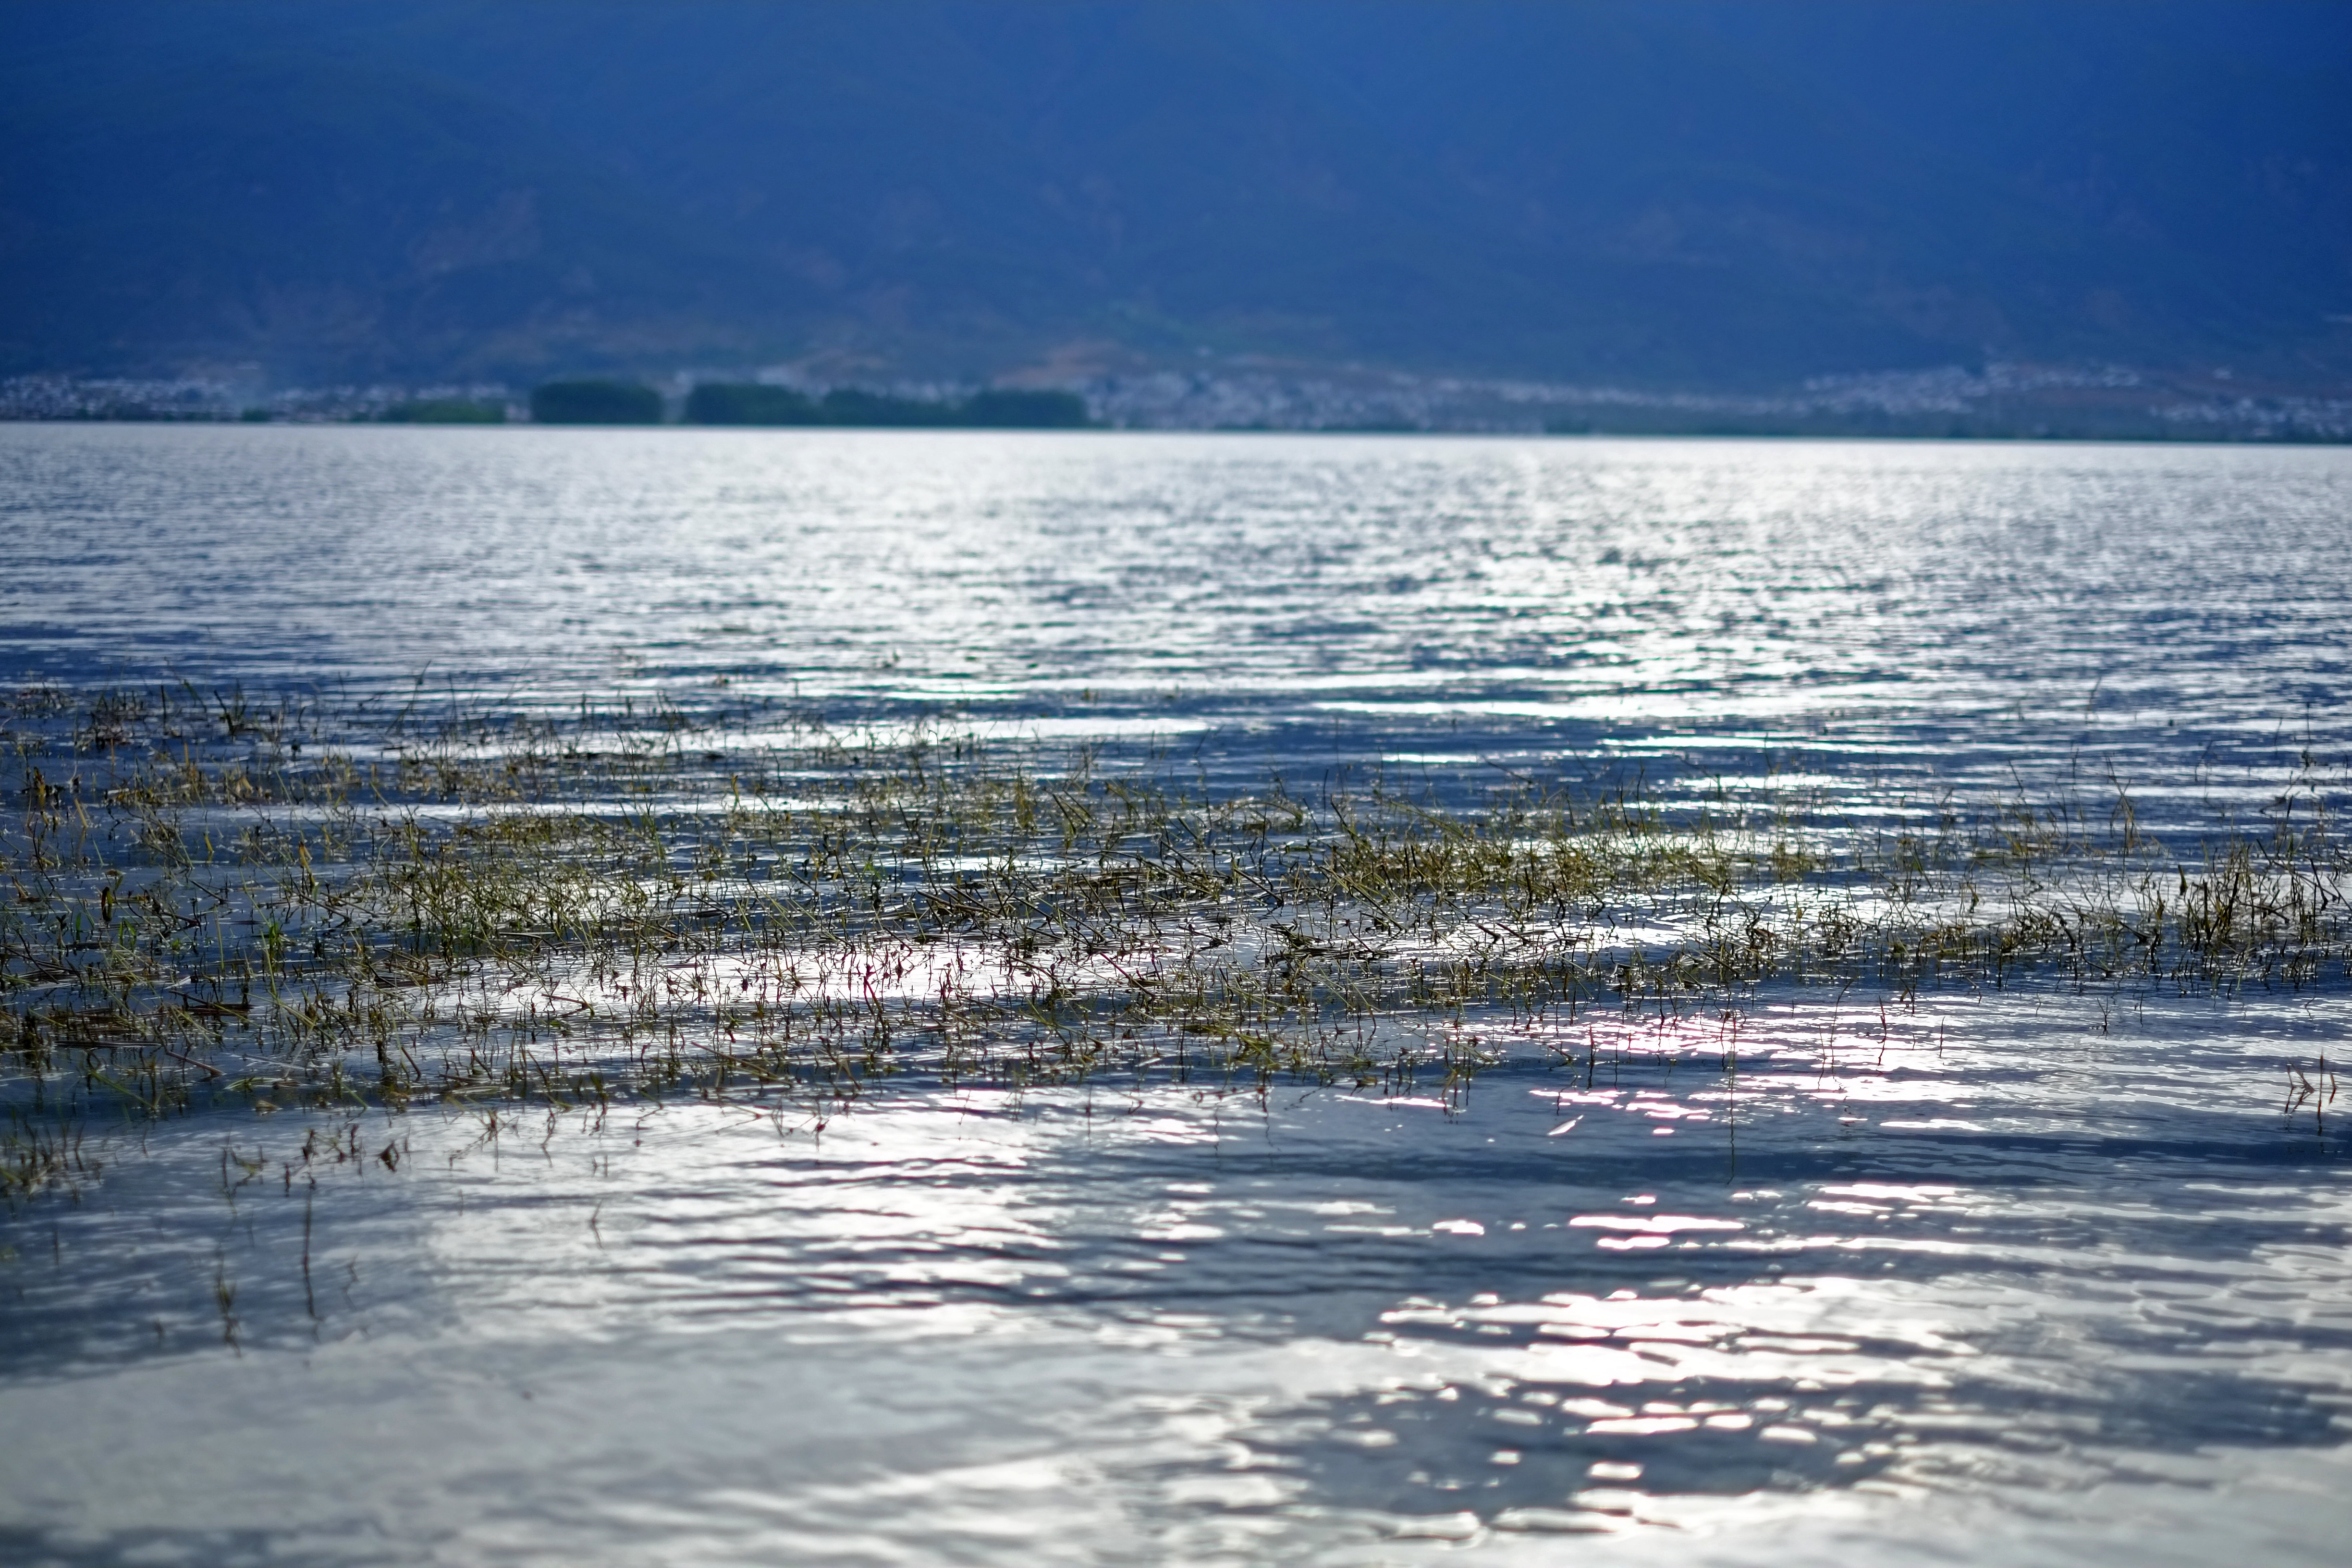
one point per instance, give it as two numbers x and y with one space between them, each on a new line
212 900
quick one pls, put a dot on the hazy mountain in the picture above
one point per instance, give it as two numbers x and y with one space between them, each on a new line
1725 195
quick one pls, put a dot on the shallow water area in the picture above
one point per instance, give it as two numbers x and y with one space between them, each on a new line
1917 1289
2024 1267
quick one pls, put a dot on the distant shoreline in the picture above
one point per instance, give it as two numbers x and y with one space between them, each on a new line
1996 403
1695 433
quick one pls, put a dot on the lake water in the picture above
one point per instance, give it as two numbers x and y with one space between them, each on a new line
2026 1276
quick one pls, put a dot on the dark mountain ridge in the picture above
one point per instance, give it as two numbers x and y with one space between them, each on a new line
1709 195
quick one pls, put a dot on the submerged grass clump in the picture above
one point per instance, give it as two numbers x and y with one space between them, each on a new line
210 901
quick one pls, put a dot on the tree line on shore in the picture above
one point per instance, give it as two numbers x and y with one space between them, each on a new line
753 403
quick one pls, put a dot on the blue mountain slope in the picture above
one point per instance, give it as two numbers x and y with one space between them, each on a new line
1698 194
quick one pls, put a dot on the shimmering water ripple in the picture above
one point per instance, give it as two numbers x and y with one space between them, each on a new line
2023 1277
1931 615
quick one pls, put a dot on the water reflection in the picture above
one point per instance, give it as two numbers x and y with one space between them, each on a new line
1183 1321
2024 1275
1902 619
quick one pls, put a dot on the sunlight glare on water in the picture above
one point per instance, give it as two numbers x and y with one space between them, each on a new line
1931 615
2017 1275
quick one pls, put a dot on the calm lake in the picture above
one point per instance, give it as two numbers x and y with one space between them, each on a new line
2041 1271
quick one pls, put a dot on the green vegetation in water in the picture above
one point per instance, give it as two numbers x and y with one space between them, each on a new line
214 900
595 403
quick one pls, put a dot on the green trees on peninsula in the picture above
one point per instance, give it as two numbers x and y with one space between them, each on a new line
754 402
750 402
595 403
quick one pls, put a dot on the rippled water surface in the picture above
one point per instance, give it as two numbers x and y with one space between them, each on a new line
2034 1274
